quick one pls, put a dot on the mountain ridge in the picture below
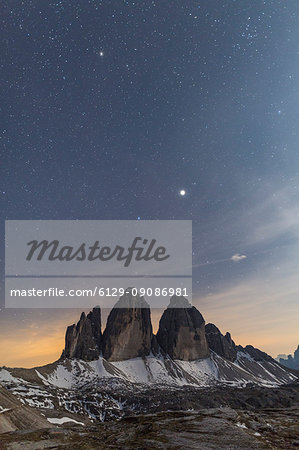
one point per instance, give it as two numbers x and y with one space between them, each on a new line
118 372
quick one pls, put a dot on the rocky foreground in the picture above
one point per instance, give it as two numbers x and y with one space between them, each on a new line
223 428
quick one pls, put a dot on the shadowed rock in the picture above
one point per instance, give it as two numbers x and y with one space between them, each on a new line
222 345
181 332
84 340
256 354
128 332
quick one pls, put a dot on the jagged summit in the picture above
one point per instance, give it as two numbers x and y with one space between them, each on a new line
129 334
182 338
84 340
220 344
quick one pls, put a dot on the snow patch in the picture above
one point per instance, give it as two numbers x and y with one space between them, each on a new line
244 355
6 377
63 420
2 410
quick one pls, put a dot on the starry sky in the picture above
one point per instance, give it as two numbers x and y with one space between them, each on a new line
114 109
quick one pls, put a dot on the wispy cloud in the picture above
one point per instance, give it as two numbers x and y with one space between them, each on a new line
237 257
258 301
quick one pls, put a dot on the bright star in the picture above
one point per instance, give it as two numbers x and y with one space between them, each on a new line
101 53
182 192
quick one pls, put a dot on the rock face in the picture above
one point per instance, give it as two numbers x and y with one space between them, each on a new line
128 332
222 345
84 340
181 332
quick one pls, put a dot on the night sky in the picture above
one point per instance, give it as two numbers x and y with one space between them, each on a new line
111 108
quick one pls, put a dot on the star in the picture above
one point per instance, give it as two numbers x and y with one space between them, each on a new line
161 113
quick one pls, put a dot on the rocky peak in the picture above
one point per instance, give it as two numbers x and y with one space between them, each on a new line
84 340
128 332
181 332
256 354
222 345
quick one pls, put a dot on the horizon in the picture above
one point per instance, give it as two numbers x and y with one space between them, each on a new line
44 345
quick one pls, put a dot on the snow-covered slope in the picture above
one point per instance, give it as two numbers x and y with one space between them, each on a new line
162 372
143 372
100 388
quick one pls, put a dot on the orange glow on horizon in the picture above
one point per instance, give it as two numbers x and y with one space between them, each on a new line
34 345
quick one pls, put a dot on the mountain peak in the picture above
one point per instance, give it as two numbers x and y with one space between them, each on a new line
179 302
222 345
128 300
128 332
181 332
84 340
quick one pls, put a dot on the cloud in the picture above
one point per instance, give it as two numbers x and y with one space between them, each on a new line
237 257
